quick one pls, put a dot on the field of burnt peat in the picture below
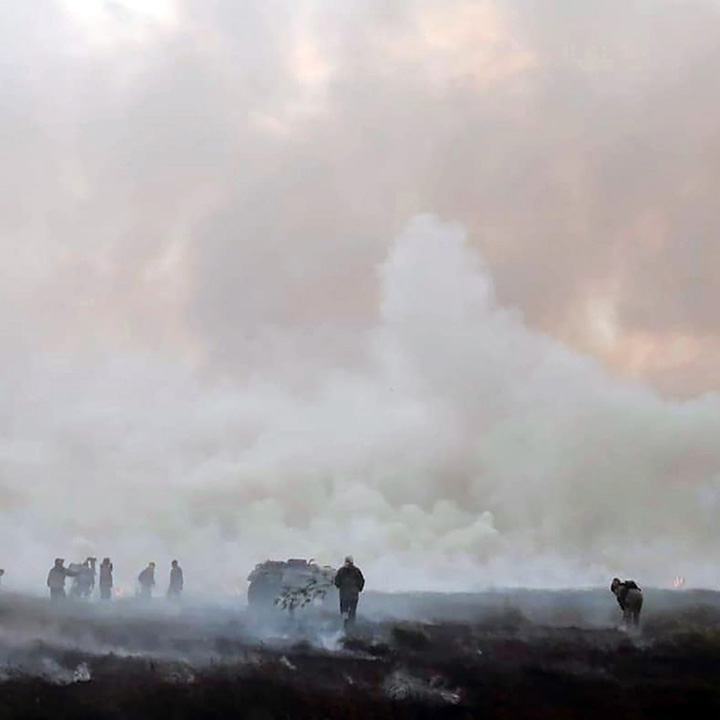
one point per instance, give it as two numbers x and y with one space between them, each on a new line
521 654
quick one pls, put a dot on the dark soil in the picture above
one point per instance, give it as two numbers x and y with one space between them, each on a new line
87 662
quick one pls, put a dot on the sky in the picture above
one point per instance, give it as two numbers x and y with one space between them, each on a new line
429 282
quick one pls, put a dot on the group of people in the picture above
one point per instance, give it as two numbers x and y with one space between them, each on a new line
84 576
349 581
146 580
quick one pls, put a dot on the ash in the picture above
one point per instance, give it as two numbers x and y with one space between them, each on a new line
501 654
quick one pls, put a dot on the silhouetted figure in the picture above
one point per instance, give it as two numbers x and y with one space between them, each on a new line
92 561
350 582
84 580
106 579
176 581
147 581
630 599
56 579
74 570
2 572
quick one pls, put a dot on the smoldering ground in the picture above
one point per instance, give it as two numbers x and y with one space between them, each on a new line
502 654
229 332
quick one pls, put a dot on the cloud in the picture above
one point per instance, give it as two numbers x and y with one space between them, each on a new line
196 334
465 450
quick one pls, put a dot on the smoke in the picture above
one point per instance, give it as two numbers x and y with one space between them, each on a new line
229 332
466 451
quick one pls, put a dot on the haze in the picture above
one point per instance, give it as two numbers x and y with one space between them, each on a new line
431 283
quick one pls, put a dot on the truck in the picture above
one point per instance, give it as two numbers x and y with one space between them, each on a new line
290 584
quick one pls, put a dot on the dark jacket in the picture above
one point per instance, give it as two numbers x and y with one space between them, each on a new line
147 577
56 577
622 591
176 579
349 580
106 578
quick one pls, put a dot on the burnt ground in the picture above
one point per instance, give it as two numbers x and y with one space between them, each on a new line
496 655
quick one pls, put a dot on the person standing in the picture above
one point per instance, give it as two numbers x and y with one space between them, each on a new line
106 579
147 581
56 579
350 582
90 576
84 579
176 581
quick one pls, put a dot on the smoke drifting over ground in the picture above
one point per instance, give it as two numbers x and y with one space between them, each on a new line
498 654
230 332
463 450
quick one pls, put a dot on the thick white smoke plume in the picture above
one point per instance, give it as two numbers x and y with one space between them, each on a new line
228 333
461 450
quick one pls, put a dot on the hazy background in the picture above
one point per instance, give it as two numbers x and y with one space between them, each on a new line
433 283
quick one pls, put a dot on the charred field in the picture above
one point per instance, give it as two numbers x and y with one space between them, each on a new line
493 655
